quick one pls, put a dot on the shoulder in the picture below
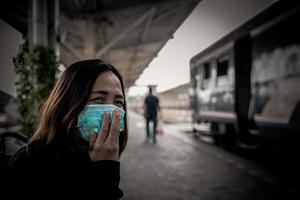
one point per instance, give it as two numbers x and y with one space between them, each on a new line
155 98
31 156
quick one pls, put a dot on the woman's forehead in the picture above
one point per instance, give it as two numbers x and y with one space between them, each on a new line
107 80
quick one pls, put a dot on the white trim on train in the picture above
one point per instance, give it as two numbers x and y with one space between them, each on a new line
228 117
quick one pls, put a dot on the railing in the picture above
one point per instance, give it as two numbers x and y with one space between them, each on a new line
10 142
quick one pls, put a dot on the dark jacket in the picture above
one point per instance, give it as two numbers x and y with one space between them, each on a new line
50 169
151 106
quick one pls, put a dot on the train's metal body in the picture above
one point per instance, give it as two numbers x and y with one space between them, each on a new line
248 83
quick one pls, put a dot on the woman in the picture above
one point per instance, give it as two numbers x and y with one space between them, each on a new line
70 145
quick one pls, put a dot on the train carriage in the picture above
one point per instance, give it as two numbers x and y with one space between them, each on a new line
247 84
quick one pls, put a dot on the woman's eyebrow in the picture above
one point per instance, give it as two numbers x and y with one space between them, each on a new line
100 92
106 93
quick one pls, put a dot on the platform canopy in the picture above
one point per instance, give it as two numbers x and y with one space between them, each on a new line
126 33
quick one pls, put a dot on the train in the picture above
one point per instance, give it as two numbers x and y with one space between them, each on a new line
246 85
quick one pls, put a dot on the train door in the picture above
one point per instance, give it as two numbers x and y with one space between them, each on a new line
222 128
243 62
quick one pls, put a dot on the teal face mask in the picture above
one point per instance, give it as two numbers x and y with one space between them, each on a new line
90 119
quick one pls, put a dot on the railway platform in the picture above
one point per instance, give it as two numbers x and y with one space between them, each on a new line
180 167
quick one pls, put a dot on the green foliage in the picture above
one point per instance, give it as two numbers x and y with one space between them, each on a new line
36 72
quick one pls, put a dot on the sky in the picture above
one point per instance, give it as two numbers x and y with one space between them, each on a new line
209 21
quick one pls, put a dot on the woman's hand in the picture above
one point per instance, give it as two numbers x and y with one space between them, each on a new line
105 146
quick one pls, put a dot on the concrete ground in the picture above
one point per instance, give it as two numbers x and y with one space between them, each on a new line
180 167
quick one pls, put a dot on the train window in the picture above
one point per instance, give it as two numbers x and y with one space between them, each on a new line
206 70
222 66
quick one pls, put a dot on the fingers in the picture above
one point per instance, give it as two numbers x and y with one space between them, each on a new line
106 146
103 132
92 139
114 131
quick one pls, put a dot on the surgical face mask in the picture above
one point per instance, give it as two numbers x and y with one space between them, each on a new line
90 119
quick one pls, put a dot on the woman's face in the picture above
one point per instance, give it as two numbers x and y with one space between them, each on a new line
107 89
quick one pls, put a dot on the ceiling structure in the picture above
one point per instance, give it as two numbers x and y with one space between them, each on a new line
126 33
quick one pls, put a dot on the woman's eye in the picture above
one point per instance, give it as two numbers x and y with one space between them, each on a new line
99 99
119 103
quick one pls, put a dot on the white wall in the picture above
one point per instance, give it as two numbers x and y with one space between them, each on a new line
10 39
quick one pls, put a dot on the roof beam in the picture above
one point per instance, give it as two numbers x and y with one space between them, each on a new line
123 34
142 38
70 49
148 25
89 38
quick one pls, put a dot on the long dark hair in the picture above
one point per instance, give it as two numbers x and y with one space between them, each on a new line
58 116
